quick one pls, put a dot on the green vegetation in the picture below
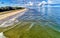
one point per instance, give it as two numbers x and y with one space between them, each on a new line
22 30
8 8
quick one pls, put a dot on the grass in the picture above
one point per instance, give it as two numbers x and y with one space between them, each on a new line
36 31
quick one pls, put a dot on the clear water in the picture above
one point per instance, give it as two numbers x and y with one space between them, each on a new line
45 15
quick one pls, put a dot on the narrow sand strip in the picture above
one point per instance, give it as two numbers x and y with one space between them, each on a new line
11 21
11 13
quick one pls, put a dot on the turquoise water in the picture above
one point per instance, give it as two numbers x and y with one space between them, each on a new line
45 15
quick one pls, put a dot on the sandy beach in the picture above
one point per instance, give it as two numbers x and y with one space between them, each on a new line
11 13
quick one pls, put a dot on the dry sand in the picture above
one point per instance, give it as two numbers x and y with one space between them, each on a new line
11 13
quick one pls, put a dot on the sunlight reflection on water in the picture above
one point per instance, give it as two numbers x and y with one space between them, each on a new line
43 14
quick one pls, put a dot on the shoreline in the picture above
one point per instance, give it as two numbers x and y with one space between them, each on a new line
11 13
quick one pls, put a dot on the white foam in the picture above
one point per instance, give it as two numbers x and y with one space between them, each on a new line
2 35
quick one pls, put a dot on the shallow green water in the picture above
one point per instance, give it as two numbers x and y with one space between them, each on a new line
31 30
44 23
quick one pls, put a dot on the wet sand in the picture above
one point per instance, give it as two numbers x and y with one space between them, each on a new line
11 13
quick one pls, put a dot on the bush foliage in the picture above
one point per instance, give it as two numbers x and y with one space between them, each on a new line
8 8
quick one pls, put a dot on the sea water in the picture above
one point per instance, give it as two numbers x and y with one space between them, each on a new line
45 15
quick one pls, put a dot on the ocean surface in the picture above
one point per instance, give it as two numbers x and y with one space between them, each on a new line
45 15
36 22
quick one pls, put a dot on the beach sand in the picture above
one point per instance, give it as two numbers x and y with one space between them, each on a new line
11 13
